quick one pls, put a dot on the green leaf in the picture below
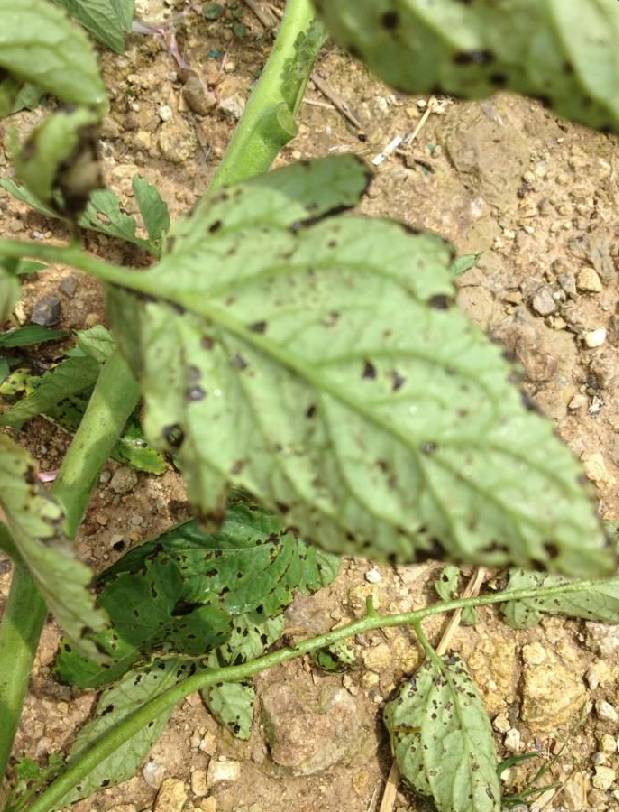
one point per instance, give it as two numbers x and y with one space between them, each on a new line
251 636
561 52
599 603
134 690
25 267
442 739
27 98
232 704
153 208
58 164
317 364
96 342
29 335
464 263
39 44
72 668
22 194
446 586
108 20
5 369
35 520
9 294
70 376
337 657
251 564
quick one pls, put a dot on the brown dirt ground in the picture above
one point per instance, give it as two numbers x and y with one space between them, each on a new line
537 197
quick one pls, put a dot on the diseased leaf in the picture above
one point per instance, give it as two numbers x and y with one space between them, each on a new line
35 521
39 44
599 603
72 668
108 20
318 364
337 657
251 636
133 691
442 739
446 585
251 564
562 52
154 210
232 704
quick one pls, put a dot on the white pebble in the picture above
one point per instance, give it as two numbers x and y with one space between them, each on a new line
606 711
165 112
223 771
512 740
373 576
595 338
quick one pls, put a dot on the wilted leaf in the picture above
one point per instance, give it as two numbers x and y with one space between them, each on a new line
35 521
600 602
319 365
232 704
108 20
442 739
39 44
562 52
133 691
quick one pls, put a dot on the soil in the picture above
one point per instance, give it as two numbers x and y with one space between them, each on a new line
536 198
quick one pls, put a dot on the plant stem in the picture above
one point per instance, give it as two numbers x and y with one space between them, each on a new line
267 123
114 738
114 398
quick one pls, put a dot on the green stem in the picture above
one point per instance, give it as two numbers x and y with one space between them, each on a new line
114 738
114 398
267 124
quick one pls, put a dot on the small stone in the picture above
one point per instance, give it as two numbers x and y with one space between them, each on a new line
143 140
512 740
233 105
589 280
595 338
208 805
603 777
606 711
171 796
165 113
46 311
544 302
501 723
577 402
124 480
153 773
599 672
199 786
567 282
198 98
208 744
599 758
377 658
370 680
608 743
223 771
68 286
373 576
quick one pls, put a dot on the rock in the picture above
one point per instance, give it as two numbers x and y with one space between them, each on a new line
599 758
501 723
208 744
373 576
199 784
177 141
575 790
605 640
310 728
171 796
46 311
606 711
222 771
589 280
577 402
153 773
233 105
124 480
543 301
68 286
597 470
603 777
552 695
377 658
595 338
512 740
608 744
165 113
198 98
599 673
208 805
143 140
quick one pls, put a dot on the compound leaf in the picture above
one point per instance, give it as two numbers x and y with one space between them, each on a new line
118 702
318 364
232 704
108 20
562 52
600 602
35 521
442 739
39 44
